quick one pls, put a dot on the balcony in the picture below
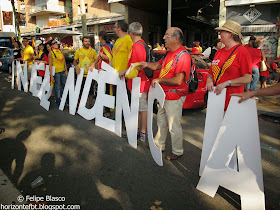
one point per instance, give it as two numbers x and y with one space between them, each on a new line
58 22
51 9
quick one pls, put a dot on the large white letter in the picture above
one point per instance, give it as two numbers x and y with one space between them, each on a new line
104 99
13 75
154 93
213 122
239 129
36 81
130 113
46 89
22 77
88 114
74 91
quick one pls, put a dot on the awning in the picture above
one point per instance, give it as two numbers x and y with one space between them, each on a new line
59 33
259 29
7 34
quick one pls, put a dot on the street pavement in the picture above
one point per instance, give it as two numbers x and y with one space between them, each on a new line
94 168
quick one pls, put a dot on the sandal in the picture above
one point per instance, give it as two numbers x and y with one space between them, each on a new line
172 157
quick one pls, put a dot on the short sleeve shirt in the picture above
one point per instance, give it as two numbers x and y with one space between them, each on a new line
105 50
58 60
121 50
27 54
239 64
85 57
138 54
170 70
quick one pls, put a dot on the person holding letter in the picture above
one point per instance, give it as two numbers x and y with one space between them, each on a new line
232 65
56 59
138 54
86 56
174 71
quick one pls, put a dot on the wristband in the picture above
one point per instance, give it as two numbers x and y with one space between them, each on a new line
229 83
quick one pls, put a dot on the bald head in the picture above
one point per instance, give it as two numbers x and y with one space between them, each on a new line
173 38
177 32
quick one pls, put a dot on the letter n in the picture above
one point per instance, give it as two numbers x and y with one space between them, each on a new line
73 91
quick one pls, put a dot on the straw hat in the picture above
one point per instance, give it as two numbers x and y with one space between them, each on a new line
232 27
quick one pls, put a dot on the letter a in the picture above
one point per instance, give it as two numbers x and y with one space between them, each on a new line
239 129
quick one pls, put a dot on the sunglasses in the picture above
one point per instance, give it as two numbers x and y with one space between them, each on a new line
54 43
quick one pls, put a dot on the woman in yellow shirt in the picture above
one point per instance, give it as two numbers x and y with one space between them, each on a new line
56 59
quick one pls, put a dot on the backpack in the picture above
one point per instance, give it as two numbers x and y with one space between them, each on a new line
192 81
149 58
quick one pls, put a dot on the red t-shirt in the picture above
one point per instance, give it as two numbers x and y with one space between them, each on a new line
256 57
236 66
41 72
183 65
108 48
138 54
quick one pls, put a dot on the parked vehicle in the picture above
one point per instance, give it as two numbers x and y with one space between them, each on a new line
6 59
193 100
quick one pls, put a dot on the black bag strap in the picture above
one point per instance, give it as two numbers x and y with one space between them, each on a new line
146 48
224 64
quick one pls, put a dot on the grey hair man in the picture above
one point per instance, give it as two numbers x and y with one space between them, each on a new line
138 54
174 70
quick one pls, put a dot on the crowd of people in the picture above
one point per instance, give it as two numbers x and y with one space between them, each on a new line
233 66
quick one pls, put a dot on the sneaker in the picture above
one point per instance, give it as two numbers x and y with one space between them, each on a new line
142 137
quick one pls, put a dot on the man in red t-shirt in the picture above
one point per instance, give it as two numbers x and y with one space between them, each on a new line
174 71
138 54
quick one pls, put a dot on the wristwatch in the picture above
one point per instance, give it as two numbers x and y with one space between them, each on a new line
229 83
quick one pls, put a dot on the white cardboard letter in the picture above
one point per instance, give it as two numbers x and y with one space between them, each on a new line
22 76
74 91
88 114
239 129
154 93
213 122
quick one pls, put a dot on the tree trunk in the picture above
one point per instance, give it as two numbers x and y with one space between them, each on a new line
83 18
17 29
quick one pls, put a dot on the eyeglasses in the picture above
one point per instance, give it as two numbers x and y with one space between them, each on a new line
54 43
167 36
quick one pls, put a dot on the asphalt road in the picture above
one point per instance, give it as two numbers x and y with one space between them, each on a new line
96 169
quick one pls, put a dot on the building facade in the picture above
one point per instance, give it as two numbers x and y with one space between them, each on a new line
258 18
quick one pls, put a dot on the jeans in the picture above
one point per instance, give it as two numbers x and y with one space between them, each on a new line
60 80
255 78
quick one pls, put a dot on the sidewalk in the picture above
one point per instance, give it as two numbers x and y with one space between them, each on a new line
269 105
8 192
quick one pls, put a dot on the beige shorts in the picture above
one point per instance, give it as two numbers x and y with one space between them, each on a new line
143 102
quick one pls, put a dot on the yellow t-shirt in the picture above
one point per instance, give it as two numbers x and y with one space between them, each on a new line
40 53
28 53
121 50
85 57
58 60
199 49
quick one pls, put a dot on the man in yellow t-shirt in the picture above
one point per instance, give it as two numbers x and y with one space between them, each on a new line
86 56
122 46
28 54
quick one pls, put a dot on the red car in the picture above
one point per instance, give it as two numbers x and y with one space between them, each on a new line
193 100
